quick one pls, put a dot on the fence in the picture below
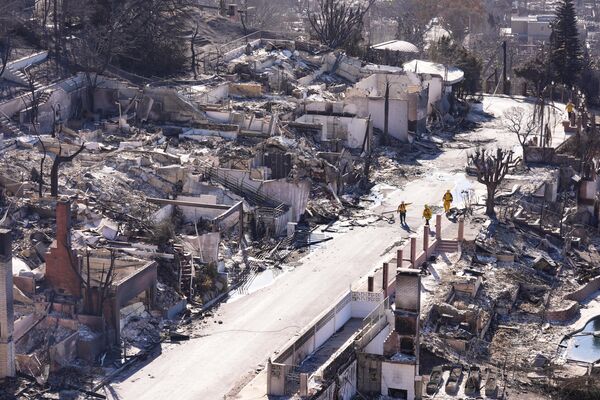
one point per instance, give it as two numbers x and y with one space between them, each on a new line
373 323
325 326
371 306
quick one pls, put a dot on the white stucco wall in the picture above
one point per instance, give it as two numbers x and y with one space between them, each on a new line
348 382
398 117
435 91
343 316
210 95
375 346
351 130
363 303
294 194
324 333
398 376
205 246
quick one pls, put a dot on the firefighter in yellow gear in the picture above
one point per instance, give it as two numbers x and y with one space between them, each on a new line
571 112
427 214
402 211
447 201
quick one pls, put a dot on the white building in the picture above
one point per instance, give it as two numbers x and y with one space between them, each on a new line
531 29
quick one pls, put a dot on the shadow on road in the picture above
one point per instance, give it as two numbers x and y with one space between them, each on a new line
407 228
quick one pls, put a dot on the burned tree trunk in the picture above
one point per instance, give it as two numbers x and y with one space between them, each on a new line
59 159
193 50
41 174
492 166
33 116
5 50
336 23
490 201
366 151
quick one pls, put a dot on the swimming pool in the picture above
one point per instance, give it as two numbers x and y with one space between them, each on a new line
584 345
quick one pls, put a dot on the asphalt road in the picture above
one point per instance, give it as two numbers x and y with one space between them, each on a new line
256 325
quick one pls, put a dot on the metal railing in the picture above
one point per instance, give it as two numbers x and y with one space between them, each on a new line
241 188
373 323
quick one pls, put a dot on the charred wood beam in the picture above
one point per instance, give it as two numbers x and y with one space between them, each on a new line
184 203
238 207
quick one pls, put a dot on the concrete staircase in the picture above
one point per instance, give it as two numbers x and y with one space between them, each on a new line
19 77
253 196
13 71
42 98
8 126
447 246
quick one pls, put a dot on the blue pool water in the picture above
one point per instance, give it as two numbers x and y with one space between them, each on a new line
583 345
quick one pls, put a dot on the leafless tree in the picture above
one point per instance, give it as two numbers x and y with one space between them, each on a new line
265 14
461 17
301 6
7 10
57 25
492 167
521 123
33 98
412 18
336 23
100 40
33 102
5 50
105 280
58 160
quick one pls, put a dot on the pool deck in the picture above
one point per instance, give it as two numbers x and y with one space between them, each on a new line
589 310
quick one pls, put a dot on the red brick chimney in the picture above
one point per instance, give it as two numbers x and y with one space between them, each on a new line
62 263
63 223
7 345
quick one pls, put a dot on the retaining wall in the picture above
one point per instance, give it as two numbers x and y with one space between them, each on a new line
585 291
574 298
564 314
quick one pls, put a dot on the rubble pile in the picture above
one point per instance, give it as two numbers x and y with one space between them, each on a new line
141 333
142 212
494 307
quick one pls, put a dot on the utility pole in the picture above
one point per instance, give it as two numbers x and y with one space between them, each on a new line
366 152
505 87
386 113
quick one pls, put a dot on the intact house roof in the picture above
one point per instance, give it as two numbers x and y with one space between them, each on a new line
451 75
396 45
